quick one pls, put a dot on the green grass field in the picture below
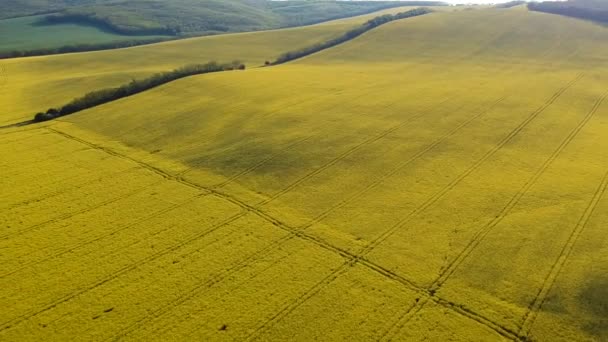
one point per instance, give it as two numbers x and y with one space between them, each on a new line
440 178
25 33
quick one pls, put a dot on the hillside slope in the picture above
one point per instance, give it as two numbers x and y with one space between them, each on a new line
30 85
196 16
439 178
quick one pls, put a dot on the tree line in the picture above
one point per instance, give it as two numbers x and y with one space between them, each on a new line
356 32
99 97
570 9
510 4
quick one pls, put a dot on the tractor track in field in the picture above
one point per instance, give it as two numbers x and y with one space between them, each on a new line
201 287
433 199
400 166
540 298
109 151
33 313
52 194
480 235
412 311
77 246
79 212
354 149
483 232
247 209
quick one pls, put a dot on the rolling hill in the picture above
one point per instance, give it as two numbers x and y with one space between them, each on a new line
33 84
87 25
438 178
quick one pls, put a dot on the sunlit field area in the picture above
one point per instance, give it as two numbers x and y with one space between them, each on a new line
439 178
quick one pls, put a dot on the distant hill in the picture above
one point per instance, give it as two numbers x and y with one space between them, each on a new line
596 10
186 17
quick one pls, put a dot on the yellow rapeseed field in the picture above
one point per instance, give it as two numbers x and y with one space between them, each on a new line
439 178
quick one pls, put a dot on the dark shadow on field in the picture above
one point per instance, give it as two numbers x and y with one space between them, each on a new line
42 23
593 298
18 124
240 148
